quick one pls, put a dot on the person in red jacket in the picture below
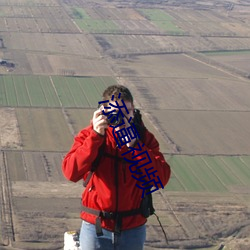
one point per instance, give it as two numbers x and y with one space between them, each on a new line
112 216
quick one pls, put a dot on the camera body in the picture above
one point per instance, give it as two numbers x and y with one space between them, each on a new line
115 118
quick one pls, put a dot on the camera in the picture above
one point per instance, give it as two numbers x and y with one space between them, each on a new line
115 118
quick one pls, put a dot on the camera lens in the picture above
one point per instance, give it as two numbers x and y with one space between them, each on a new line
115 118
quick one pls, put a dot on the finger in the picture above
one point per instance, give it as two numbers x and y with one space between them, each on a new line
126 122
97 113
101 125
101 118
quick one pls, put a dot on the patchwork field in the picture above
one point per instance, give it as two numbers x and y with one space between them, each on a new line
214 23
39 38
210 173
197 105
54 54
181 82
55 91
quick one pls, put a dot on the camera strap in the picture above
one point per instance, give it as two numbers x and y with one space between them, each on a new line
95 164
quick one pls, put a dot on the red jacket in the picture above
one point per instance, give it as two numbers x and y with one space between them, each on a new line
101 190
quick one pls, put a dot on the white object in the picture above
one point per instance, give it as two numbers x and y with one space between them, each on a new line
71 240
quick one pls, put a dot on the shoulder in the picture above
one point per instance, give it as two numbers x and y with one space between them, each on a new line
84 133
90 133
150 140
85 130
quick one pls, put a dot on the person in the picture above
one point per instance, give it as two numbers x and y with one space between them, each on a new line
113 194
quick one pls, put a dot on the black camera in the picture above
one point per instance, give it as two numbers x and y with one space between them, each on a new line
115 118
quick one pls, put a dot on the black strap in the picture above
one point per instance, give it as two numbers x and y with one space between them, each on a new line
86 181
118 218
137 120
98 227
109 215
95 164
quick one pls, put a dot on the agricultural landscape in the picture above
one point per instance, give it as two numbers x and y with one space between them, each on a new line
187 65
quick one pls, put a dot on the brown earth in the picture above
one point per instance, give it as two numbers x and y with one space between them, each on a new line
10 135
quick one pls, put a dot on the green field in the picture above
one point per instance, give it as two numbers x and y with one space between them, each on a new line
161 19
93 25
87 23
55 91
208 173
226 53
156 15
79 13
189 173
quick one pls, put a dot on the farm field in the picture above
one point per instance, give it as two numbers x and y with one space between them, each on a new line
160 84
41 197
33 121
105 20
51 44
47 48
162 20
110 20
55 91
236 59
21 128
209 173
54 54
120 44
65 65
193 97
216 132
9 137
169 66
212 23
224 43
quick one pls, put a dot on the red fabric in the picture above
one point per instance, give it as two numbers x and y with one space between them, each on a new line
100 192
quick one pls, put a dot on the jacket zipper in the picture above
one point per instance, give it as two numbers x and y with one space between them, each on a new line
116 179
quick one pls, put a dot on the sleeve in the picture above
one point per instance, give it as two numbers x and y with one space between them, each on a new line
77 162
158 163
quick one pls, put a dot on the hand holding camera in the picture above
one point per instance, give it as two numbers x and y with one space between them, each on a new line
100 122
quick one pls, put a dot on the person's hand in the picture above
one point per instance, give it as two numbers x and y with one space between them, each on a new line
100 123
